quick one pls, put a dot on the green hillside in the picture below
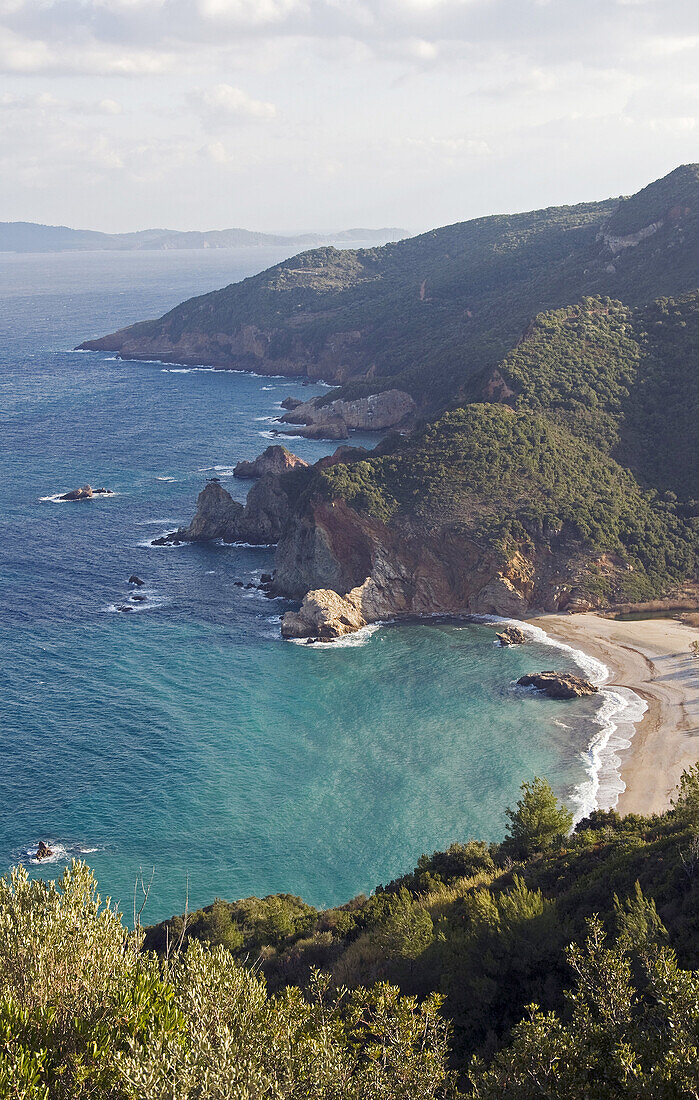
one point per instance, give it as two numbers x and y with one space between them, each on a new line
429 313
592 443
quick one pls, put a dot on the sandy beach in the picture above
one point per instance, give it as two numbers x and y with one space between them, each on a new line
652 657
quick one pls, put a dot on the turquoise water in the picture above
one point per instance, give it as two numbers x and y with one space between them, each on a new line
188 737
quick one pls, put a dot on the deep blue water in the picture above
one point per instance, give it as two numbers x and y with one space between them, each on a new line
187 736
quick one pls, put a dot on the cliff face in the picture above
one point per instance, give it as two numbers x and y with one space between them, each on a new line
251 347
385 572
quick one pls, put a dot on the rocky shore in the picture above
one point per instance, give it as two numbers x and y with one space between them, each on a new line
323 419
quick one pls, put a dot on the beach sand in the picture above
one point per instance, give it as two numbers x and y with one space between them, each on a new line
652 657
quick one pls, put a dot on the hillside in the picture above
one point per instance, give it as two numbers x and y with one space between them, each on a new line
571 482
552 965
432 313
33 237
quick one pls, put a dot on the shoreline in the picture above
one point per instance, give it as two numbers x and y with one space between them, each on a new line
651 658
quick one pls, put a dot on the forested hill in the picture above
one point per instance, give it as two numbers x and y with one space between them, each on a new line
431 313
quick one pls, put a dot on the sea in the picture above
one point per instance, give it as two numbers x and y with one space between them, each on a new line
185 743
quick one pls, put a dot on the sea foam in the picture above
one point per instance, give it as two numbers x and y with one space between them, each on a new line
619 710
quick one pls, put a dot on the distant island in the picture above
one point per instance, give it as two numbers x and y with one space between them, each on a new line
34 237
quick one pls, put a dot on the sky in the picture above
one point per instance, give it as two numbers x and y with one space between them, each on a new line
292 115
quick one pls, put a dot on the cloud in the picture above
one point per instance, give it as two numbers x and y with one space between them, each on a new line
224 104
132 37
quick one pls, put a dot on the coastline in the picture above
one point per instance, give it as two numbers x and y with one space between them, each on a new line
651 658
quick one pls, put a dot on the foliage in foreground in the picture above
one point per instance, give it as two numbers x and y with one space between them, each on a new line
540 967
84 1012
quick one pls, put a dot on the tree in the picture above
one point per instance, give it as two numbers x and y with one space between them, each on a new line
538 821
686 804
625 1038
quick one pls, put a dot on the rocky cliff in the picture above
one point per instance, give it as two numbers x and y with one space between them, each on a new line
260 521
275 460
323 419
351 570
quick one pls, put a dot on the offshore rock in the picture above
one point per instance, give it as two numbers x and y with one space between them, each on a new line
265 513
216 517
43 851
558 685
511 635
133 579
332 427
86 492
275 460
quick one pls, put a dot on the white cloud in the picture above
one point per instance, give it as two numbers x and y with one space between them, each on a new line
224 103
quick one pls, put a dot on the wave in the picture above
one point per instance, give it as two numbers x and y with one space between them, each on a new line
62 852
279 435
269 387
151 603
248 545
166 479
221 470
348 641
56 498
186 370
616 717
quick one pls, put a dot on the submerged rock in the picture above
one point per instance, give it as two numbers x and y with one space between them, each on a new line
558 685
43 851
275 460
511 635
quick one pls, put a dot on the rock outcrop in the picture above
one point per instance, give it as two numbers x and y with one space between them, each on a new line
558 685
133 579
86 492
323 616
511 635
335 419
260 521
249 347
275 460
43 851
